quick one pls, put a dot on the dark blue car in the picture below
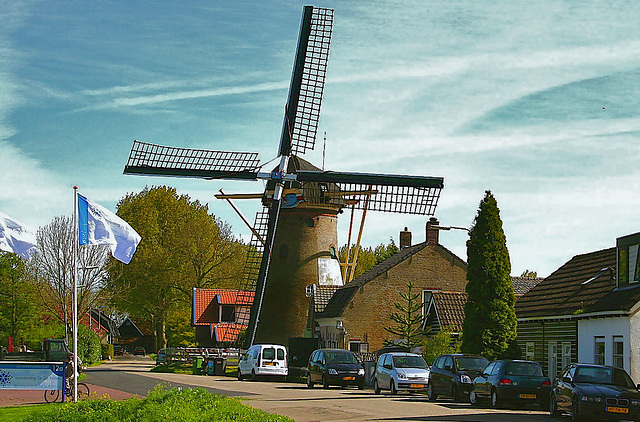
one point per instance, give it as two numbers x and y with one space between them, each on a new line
595 391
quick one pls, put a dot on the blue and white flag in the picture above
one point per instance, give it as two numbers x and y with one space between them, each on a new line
99 226
16 237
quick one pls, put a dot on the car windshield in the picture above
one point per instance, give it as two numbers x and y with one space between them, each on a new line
523 368
409 362
471 364
600 375
340 357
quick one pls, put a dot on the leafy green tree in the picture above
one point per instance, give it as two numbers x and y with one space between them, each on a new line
529 274
490 320
183 246
383 252
368 257
19 310
408 319
439 344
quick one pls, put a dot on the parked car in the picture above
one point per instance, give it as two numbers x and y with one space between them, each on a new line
118 350
400 372
264 359
595 391
139 351
452 375
334 367
172 354
516 381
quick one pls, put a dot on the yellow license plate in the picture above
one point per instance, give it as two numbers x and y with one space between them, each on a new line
527 396
617 409
268 363
349 378
417 385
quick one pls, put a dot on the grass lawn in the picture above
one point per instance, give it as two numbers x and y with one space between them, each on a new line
16 413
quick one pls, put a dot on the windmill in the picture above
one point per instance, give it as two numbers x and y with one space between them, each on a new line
301 202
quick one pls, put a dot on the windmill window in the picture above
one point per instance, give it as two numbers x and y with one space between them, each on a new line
309 222
332 251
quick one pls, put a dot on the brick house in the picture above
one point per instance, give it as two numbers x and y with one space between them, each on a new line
215 313
355 315
586 311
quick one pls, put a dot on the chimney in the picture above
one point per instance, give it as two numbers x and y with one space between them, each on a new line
405 239
432 234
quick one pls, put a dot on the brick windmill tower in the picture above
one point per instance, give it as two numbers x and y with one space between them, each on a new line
294 239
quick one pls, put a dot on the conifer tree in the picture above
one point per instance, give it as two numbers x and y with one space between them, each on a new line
408 319
490 321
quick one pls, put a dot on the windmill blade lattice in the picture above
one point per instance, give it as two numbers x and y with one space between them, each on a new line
151 159
307 82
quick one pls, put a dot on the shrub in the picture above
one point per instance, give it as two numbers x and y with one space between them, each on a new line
176 405
107 351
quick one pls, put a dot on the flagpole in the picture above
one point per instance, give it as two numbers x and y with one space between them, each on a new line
75 293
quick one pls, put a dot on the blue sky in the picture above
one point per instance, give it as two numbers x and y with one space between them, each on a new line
536 101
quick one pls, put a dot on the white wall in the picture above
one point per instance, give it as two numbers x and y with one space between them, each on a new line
588 329
634 343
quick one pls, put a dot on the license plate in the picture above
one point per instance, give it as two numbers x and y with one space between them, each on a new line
417 385
268 364
527 396
617 409
349 378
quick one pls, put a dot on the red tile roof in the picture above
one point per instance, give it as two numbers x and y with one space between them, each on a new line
227 331
206 302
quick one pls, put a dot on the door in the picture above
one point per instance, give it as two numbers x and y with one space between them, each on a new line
552 360
482 384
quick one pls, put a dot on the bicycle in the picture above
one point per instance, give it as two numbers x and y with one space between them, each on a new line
53 396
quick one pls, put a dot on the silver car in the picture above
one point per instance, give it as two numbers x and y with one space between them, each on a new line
399 371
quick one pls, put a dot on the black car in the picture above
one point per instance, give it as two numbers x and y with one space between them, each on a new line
595 391
515 381
334 367
452 375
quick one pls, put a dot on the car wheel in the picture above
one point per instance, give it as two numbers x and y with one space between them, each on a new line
431 394
392 387
254 377
376 387
495 400
553 408
473 398
575 411
325 382
309 382
239 375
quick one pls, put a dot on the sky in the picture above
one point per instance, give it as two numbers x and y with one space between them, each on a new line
538 102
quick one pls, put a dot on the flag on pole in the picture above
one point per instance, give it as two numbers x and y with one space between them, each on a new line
99 226
16 237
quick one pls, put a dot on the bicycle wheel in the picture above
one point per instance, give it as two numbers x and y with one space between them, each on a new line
52 396
83 391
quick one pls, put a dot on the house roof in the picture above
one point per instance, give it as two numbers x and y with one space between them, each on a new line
204 301
227 331
450 309
522 285
321 297
343 295
579 286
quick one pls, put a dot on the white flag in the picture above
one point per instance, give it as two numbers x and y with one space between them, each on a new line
99 226
16 237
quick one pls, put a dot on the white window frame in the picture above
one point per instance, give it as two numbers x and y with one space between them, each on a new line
615 356
599 358
530 350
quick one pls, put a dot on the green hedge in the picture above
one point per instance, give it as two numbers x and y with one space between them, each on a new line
107 351
176 405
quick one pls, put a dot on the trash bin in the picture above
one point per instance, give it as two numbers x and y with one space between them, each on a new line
197 365
219 366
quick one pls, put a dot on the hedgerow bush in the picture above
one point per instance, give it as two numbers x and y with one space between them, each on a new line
176 405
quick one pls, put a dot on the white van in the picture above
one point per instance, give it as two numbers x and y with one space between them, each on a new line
264 359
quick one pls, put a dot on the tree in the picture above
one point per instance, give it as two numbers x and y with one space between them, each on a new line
52 268
408 319
529 274
368 257
183 246
441 343
383 252
19 312
490 320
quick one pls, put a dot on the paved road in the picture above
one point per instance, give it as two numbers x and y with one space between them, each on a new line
304 404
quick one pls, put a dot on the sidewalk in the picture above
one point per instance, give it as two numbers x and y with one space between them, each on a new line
25 397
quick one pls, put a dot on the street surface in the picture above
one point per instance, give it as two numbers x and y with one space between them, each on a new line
131 374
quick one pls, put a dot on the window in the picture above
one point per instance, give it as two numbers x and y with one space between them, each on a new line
439 362
309 222
599 351
489 368
354 345
618 351
332 252
566 354
227 314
